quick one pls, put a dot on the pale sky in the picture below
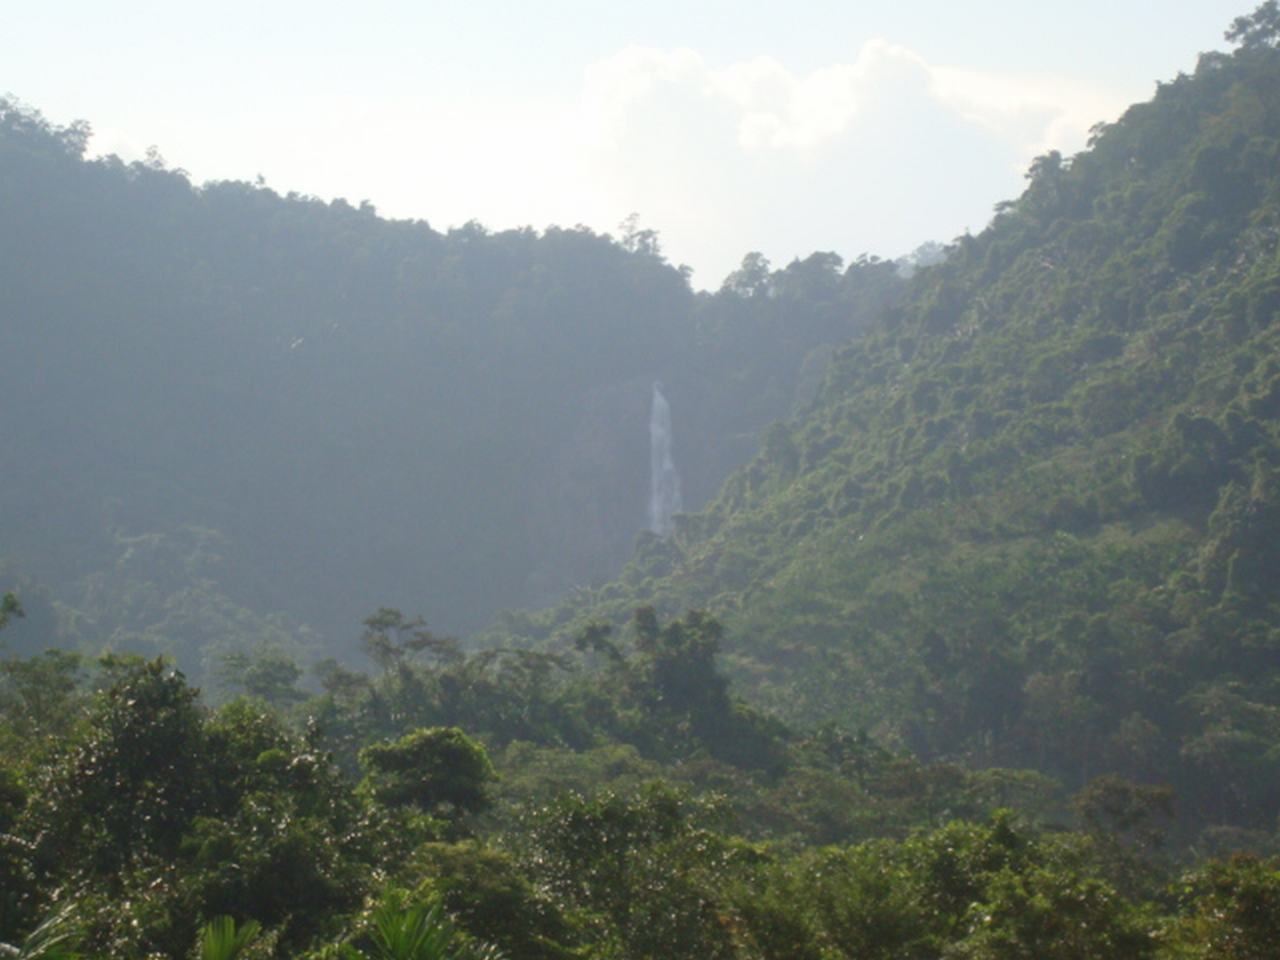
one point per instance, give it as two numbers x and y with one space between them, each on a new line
729 126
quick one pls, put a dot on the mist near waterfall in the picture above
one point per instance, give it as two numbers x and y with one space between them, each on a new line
664 484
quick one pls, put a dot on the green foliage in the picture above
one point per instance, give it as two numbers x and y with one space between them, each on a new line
1258 29
433 769
38 694
416 932
130 783
276 833
221 939
489 896
865 904
152 803
268 675
9 607
1129 823
57 937
648 870
391 640
1234 910
1047 915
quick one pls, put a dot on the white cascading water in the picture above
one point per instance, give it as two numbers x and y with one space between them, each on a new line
664 489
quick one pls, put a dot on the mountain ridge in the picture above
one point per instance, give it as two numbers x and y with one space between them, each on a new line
315 412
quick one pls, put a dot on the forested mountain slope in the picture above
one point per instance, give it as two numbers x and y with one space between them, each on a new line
1033 518
1029 524
233 418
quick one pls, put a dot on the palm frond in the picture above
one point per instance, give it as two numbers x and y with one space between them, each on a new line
422 932
221 939
55 939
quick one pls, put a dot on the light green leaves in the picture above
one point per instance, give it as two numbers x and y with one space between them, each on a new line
221 939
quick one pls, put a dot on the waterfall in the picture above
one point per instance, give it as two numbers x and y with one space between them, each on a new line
664 486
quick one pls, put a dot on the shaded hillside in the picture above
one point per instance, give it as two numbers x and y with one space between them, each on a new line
1033 518
220 404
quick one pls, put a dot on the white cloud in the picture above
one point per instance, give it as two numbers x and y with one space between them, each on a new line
1038 113
873 155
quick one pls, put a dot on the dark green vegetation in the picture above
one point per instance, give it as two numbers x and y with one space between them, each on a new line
978 658
628 821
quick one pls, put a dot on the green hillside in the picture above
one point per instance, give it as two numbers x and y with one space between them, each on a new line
1033 518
